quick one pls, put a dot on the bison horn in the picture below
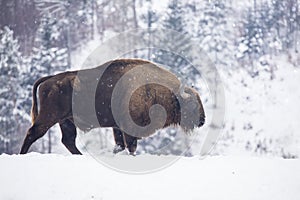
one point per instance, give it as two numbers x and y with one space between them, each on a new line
183 92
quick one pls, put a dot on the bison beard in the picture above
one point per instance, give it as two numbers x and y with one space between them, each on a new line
83 99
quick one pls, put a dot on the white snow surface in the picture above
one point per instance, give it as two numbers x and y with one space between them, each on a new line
36 176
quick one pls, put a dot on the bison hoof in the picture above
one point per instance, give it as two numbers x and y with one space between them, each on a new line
118 148
132 153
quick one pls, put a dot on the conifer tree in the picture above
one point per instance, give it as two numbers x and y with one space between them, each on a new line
9 74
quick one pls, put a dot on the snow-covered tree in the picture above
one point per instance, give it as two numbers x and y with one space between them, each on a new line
252 42
215 32
150 17
47 58
174 18
174 21
268 29
292 21
9 73
75 20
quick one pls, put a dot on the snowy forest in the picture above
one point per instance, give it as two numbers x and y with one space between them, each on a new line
254 45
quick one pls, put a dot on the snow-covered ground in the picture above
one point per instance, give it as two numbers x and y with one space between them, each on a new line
37 176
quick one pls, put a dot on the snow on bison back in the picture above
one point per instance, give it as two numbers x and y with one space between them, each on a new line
135 97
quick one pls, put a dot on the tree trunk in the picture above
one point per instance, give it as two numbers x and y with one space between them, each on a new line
135 22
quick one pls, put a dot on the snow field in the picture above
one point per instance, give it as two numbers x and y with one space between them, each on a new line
38 176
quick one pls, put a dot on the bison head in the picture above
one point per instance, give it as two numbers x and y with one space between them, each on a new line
191 109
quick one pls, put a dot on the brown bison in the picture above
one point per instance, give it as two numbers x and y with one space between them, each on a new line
135 97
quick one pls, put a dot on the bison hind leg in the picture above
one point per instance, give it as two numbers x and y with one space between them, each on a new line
69 134
36 131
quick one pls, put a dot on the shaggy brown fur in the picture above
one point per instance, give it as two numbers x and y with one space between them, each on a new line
84 99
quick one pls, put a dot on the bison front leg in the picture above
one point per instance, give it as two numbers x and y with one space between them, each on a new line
69 133
131 143
118 136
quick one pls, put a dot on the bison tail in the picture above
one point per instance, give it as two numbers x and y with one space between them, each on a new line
34 108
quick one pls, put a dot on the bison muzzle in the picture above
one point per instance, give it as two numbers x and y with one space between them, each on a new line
135 97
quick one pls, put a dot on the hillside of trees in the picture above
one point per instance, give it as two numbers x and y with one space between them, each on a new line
253 40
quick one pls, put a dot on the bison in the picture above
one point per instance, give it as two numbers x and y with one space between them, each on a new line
135 97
